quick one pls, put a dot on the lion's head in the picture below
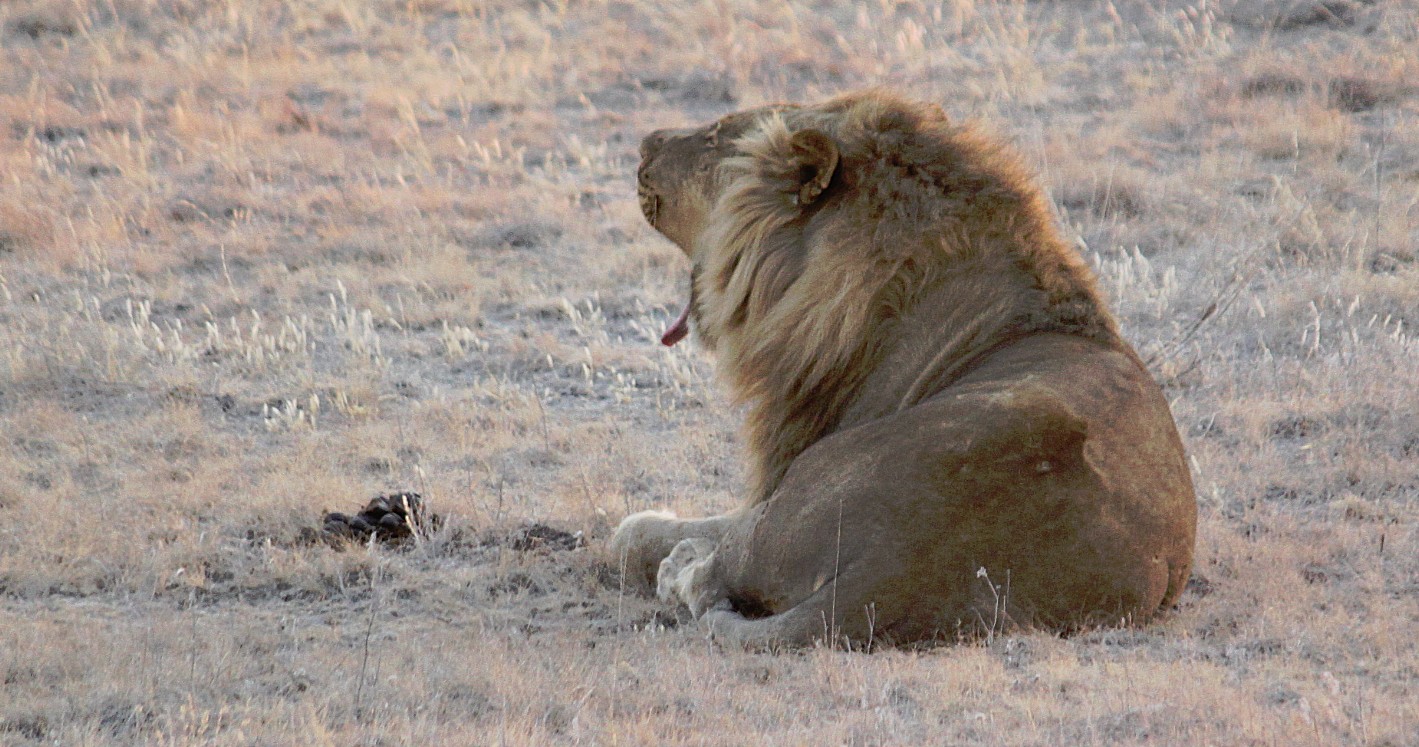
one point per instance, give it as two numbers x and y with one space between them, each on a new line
681 180
811 230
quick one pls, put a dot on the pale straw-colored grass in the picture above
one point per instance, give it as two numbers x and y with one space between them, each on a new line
261 259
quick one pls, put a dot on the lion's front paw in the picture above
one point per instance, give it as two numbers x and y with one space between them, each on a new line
639 544
686 575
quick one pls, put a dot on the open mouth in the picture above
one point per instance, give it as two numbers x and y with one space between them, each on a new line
680 328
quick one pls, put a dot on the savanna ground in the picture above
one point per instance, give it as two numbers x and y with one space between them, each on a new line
265 258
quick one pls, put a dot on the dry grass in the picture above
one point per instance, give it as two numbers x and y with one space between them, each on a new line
260 258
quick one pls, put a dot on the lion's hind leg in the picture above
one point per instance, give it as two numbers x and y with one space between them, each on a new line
834 614
689 574
803 625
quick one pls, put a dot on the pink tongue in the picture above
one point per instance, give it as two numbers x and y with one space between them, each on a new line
678 329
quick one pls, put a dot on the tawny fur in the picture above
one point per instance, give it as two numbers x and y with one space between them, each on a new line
934 386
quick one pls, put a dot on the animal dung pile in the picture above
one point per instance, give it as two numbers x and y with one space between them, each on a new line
396 517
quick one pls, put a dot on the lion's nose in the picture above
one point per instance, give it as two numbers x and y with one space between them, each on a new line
653 143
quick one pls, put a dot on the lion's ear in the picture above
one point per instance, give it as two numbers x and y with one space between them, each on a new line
816 156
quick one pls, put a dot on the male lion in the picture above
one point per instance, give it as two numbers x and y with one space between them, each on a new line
947 432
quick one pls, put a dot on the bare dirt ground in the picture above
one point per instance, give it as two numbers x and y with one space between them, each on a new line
260 259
